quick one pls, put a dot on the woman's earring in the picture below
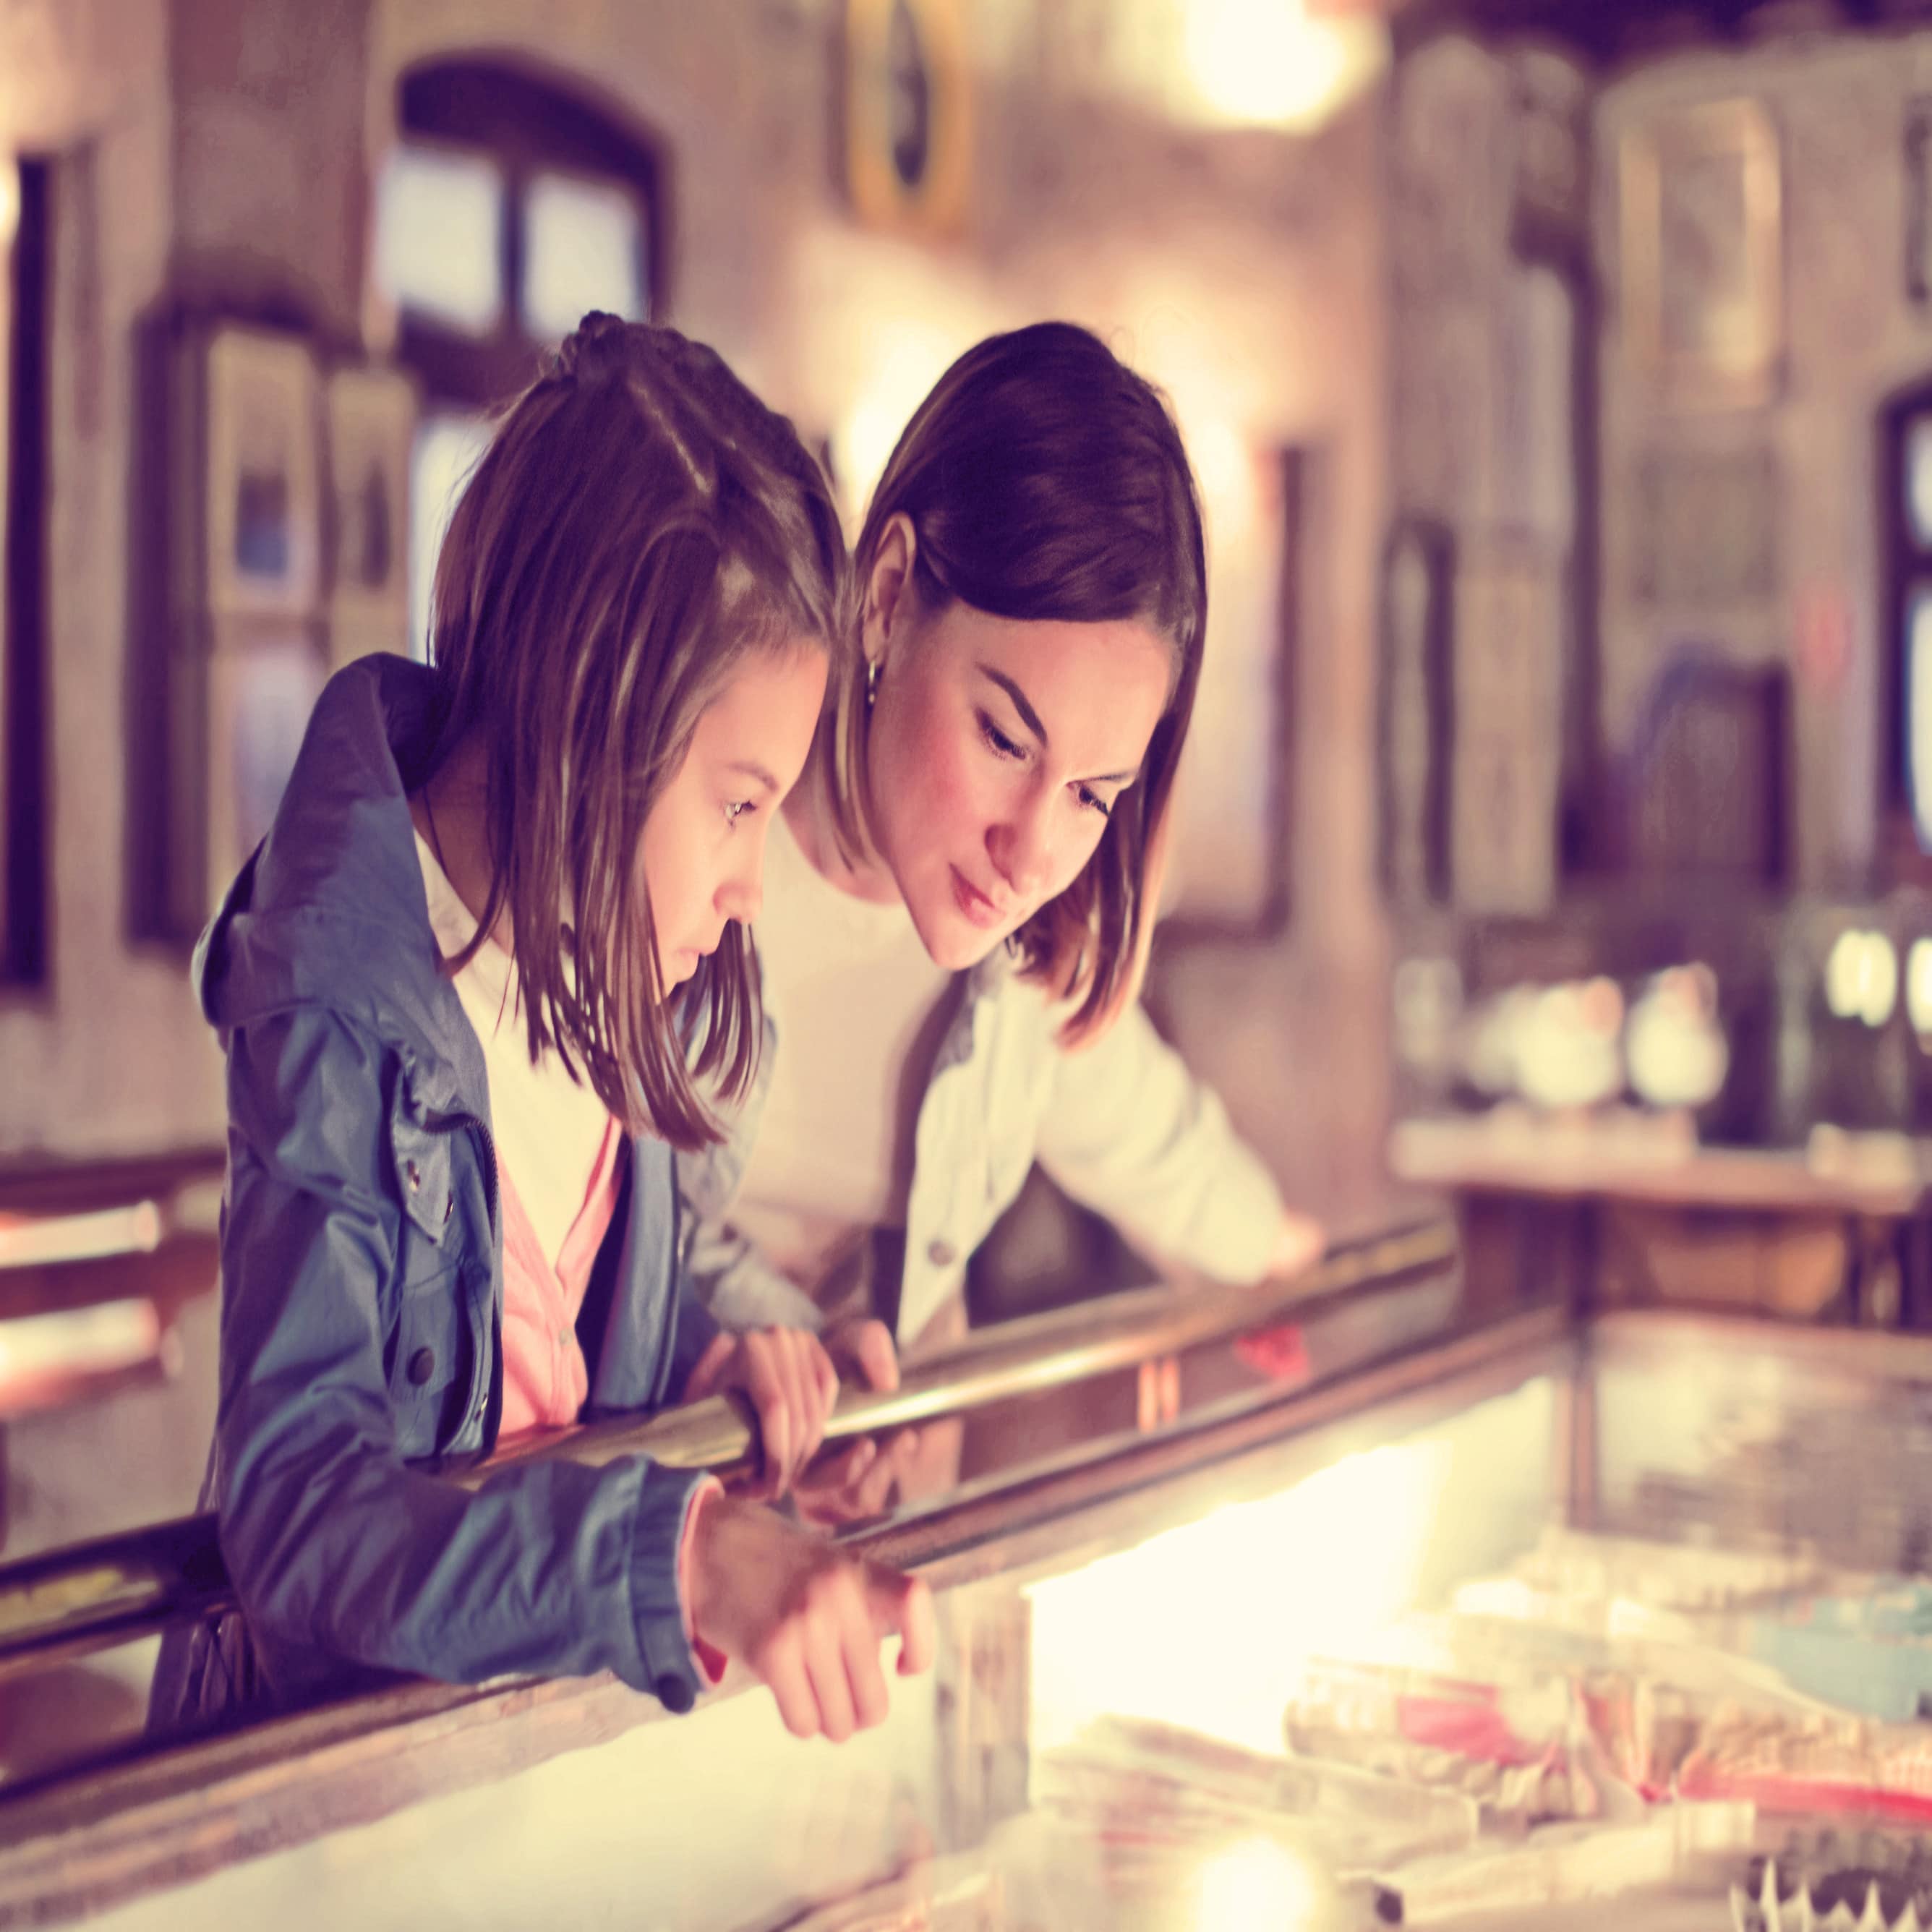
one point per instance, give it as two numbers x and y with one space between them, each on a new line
871 682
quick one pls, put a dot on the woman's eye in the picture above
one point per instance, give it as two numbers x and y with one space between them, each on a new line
1094 801
737 810
997 739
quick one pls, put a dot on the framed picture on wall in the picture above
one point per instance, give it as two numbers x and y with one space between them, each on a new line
1417 715
905 114
1919 202
259 484
239 709
371 415
1506 760
1549 120
244 655
1702 267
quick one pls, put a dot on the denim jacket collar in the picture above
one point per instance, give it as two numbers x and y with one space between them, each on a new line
330 910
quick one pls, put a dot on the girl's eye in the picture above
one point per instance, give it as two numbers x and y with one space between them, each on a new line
1003 746
1094 801
737 810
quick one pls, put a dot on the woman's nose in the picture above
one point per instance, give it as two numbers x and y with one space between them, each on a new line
1021 852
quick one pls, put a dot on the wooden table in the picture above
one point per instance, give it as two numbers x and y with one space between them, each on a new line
1535 1199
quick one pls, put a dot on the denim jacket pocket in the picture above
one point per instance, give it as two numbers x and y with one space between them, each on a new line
424 1182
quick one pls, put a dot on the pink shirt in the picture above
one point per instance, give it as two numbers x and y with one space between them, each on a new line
545 1378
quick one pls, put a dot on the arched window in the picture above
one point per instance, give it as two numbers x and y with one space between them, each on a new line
508 208
1905 610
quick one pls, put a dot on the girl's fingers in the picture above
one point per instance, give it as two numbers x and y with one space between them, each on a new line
920 1624
825 1373
865 1681
786 1676
902 1605
870 1345
703 1380
813 1392
831 1683
766 1388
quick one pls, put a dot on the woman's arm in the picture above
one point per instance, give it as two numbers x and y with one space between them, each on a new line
741 1289
1129 1131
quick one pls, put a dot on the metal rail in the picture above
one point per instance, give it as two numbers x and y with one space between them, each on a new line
91 1597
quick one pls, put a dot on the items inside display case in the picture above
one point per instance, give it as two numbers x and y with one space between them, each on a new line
1717 1723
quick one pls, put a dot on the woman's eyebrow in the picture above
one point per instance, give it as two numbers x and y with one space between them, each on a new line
1029 718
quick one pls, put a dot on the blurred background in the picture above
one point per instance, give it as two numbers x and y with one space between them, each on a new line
1558 374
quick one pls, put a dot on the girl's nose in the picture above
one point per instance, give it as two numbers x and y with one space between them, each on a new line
742 895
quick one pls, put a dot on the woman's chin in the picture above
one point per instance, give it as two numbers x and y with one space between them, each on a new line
954 944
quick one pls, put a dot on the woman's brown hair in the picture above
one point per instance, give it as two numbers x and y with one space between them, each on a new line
639 525
1044 479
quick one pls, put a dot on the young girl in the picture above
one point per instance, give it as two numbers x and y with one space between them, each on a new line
456 985
963 889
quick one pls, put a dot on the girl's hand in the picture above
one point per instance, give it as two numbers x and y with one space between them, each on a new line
789 1382
807 1619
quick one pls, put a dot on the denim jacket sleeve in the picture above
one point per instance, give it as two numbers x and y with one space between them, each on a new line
332 1542
1127 1129
741 1289
731 1276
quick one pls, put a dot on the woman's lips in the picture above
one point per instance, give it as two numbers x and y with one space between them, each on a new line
974 904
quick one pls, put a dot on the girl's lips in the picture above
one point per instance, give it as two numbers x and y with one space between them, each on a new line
974 904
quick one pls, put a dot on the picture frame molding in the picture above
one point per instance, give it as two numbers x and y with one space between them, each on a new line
1742 128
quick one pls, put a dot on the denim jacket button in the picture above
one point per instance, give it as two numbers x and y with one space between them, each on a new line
448 1209
414 1174
940 1253
422 1366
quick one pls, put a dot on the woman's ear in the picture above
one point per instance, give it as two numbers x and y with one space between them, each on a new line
889 586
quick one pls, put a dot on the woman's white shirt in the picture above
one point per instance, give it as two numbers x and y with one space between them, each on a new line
1120 1124
854 996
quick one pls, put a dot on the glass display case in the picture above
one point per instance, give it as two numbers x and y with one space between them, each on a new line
1514 1620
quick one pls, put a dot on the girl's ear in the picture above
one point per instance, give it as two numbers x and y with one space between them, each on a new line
889 585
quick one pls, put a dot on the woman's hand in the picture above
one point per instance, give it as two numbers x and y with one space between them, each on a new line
1279 1353
806 1618
1300 1242
858 1481
791 1385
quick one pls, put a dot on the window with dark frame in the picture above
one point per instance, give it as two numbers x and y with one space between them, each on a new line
25 328
508 208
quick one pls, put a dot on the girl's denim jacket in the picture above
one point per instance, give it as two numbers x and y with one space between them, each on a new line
361 1264
1120 1124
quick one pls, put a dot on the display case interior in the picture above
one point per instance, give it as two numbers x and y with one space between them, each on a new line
1526 1621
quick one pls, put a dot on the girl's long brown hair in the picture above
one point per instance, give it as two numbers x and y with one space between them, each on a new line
639 525
1044 479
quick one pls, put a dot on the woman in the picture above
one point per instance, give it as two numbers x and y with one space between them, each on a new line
960 894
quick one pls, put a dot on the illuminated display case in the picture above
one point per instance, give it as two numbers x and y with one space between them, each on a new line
1131 1630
